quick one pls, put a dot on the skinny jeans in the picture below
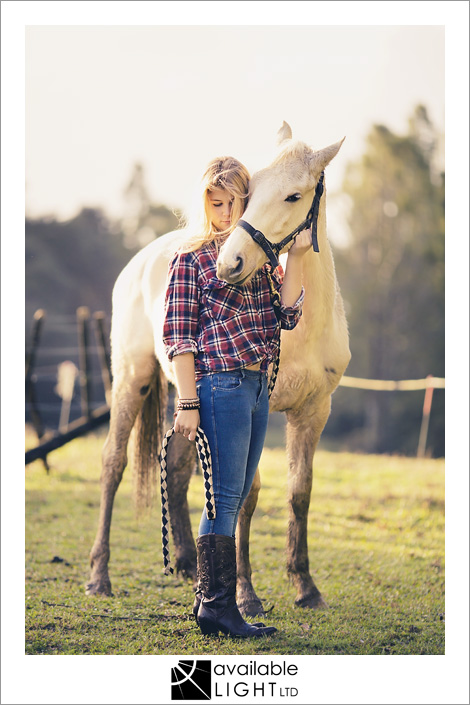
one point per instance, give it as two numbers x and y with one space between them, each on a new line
234 416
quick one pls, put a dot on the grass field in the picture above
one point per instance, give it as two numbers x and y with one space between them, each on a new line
376 547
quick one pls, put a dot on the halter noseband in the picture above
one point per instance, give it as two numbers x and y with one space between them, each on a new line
273 249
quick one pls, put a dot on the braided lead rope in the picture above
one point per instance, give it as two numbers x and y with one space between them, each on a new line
276 304
272 379
204 453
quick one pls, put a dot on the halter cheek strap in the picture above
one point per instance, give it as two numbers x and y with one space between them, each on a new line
267 247
272 249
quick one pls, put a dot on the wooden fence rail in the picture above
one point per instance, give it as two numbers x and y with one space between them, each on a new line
388 385
77 428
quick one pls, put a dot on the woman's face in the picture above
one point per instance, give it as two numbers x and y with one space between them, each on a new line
220 208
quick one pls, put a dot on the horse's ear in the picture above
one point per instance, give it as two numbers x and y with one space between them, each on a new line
323 157
284 133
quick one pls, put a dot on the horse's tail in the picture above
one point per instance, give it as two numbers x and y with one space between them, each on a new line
146 439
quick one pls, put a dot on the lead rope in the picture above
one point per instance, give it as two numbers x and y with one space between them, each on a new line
204 453
276 303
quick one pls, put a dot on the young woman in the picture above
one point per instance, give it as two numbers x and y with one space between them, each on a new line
221 339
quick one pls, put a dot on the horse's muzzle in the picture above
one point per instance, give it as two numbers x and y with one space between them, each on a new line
231 273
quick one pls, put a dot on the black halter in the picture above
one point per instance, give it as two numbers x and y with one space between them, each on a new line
273 249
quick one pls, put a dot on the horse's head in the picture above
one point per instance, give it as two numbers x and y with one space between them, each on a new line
280 198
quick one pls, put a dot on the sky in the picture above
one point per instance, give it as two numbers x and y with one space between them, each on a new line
88 88
100 98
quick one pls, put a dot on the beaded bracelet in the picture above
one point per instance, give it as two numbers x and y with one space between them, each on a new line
188 404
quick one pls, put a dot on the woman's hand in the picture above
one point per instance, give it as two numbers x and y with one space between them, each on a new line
302 243
187 423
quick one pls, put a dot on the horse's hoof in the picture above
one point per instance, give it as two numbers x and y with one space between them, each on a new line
99 587
187 569
314 602
251 608
188 575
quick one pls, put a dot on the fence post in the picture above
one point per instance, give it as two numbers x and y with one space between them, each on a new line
105 362
39 317
66 375
423 434
38 320
83 315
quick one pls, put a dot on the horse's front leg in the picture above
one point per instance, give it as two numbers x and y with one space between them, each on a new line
181 463
303 433
124 409
248 602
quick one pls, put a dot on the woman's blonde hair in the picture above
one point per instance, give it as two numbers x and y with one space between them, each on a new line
230 175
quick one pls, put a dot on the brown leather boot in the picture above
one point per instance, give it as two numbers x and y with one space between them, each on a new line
217 577
198 593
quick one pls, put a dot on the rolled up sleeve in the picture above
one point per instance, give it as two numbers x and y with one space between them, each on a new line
181 306
290 315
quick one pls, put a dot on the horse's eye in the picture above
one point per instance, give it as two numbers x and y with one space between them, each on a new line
293 198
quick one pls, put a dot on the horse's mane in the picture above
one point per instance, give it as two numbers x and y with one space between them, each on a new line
293 151
294 156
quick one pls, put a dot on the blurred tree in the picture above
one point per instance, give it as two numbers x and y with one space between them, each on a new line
144 220
392 276
72 263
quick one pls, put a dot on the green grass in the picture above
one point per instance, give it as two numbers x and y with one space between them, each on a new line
376 547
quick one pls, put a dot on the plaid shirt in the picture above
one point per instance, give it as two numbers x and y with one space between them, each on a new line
226 327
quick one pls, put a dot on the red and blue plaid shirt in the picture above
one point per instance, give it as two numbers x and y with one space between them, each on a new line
226 327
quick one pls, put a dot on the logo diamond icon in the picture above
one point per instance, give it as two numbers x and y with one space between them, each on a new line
191 680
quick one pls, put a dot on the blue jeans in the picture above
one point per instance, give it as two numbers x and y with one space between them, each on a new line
234 417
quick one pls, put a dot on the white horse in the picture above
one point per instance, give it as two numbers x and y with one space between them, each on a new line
314 356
